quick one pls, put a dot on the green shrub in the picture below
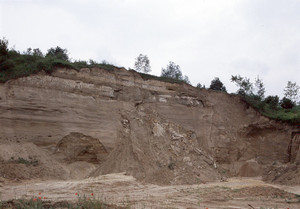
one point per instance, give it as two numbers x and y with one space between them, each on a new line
217 85
80 64
272 101
33 162
267 109
287 103
58 53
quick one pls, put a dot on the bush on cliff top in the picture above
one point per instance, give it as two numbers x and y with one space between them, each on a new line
274 111
14 64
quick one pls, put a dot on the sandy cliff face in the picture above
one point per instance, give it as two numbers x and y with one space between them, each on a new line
157 131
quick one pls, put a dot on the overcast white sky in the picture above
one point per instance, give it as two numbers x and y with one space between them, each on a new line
207 38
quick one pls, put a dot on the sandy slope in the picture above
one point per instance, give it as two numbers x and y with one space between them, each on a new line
176 140
122 189
158 132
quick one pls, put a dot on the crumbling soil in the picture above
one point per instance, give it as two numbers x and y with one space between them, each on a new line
74 157
79 147
160 152
24 161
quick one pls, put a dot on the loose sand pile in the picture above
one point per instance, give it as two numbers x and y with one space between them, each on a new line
28 161
160 152
75 156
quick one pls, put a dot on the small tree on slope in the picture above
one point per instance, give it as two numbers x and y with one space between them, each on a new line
142 64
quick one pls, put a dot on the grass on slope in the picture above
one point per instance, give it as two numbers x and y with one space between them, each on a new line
19 65
291 116
165 79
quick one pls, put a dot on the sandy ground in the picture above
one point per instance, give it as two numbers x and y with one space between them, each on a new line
124 190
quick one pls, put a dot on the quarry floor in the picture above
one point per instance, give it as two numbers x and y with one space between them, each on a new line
123 190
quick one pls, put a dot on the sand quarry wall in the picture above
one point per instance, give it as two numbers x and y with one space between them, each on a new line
156 131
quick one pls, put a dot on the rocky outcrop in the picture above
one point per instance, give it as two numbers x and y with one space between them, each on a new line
180 130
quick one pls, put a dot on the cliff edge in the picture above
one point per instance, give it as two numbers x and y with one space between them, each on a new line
74 124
